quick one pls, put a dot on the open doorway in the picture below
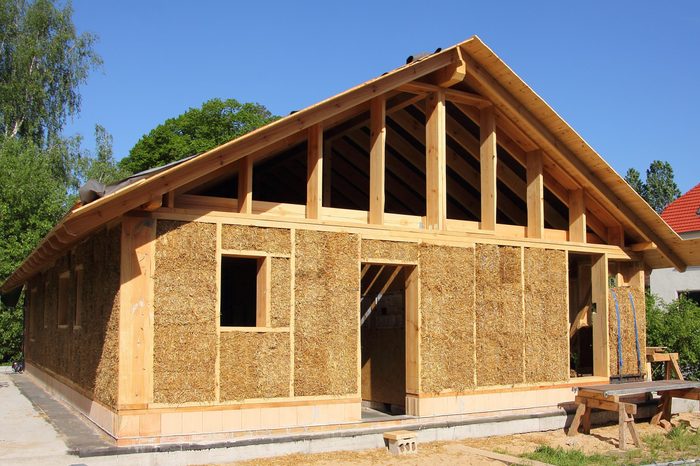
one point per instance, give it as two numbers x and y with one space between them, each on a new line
383 338
580 315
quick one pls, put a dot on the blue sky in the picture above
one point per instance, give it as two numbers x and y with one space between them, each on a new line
624 74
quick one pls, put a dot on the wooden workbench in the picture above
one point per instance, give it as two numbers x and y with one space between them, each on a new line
612 397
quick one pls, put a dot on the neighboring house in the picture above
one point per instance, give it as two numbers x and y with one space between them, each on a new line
435 241
683 215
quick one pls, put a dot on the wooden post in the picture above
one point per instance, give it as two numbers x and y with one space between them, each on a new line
436 161
488 159
535 195
377 170
577 216
245 186
314 177
136 312
599 297
412 331
327 173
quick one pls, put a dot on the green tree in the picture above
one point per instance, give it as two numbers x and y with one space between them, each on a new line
195 131
101 166
634 179
659 189
43 61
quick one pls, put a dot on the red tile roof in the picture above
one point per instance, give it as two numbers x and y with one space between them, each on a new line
682 214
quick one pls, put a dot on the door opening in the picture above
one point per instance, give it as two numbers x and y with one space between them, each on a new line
580 315
383 339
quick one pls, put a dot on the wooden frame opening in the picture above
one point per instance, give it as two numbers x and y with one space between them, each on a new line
244 298
387 301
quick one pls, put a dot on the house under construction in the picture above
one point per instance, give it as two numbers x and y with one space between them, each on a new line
435 241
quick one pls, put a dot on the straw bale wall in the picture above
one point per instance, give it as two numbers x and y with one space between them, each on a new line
185 328
447 318
86 356
327 278
546 316
629 347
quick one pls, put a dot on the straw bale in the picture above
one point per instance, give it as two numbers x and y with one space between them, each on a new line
629 347
389 250
281 292
184 307
499 320
447 318
89 357
327 278
546 316
254 365
248 238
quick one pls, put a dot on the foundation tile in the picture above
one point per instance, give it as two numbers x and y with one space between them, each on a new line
336 412
149 424
269 418
192 422
250 418
305 415
212 421
231 420
353 411
171 423
128 426
287 416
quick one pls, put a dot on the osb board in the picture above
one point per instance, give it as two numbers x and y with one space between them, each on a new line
629 347
546 316
254 365
89 356
280 291
447 318
327 277
249 238
184 305
389 250
500 328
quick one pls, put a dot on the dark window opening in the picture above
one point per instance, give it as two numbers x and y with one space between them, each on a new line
239 284
693 295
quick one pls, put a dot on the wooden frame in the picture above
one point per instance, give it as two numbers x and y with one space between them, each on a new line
79 272
263 283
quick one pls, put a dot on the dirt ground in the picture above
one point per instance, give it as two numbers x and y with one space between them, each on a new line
603 440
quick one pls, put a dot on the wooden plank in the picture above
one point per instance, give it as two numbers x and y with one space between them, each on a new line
327 174
599 318
465 98
488 159
412 332
573 428
535 195
135 384
577 216
606 405
262 311
377 160
314 176
245 186
436 161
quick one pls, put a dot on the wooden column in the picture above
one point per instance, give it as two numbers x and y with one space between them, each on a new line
136 312
577 216
377 156
599 297
245 186
314 176
327 173
535 195
487 154
436 161
412 331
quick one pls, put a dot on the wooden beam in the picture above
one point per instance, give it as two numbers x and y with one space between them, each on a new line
599 316
643 246
136 311
153 204
314 177
245 186
488 159
577 216
462 97
436 161
327 173
450 75
377 160
535 195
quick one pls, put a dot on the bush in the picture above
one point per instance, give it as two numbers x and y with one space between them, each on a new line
676 326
